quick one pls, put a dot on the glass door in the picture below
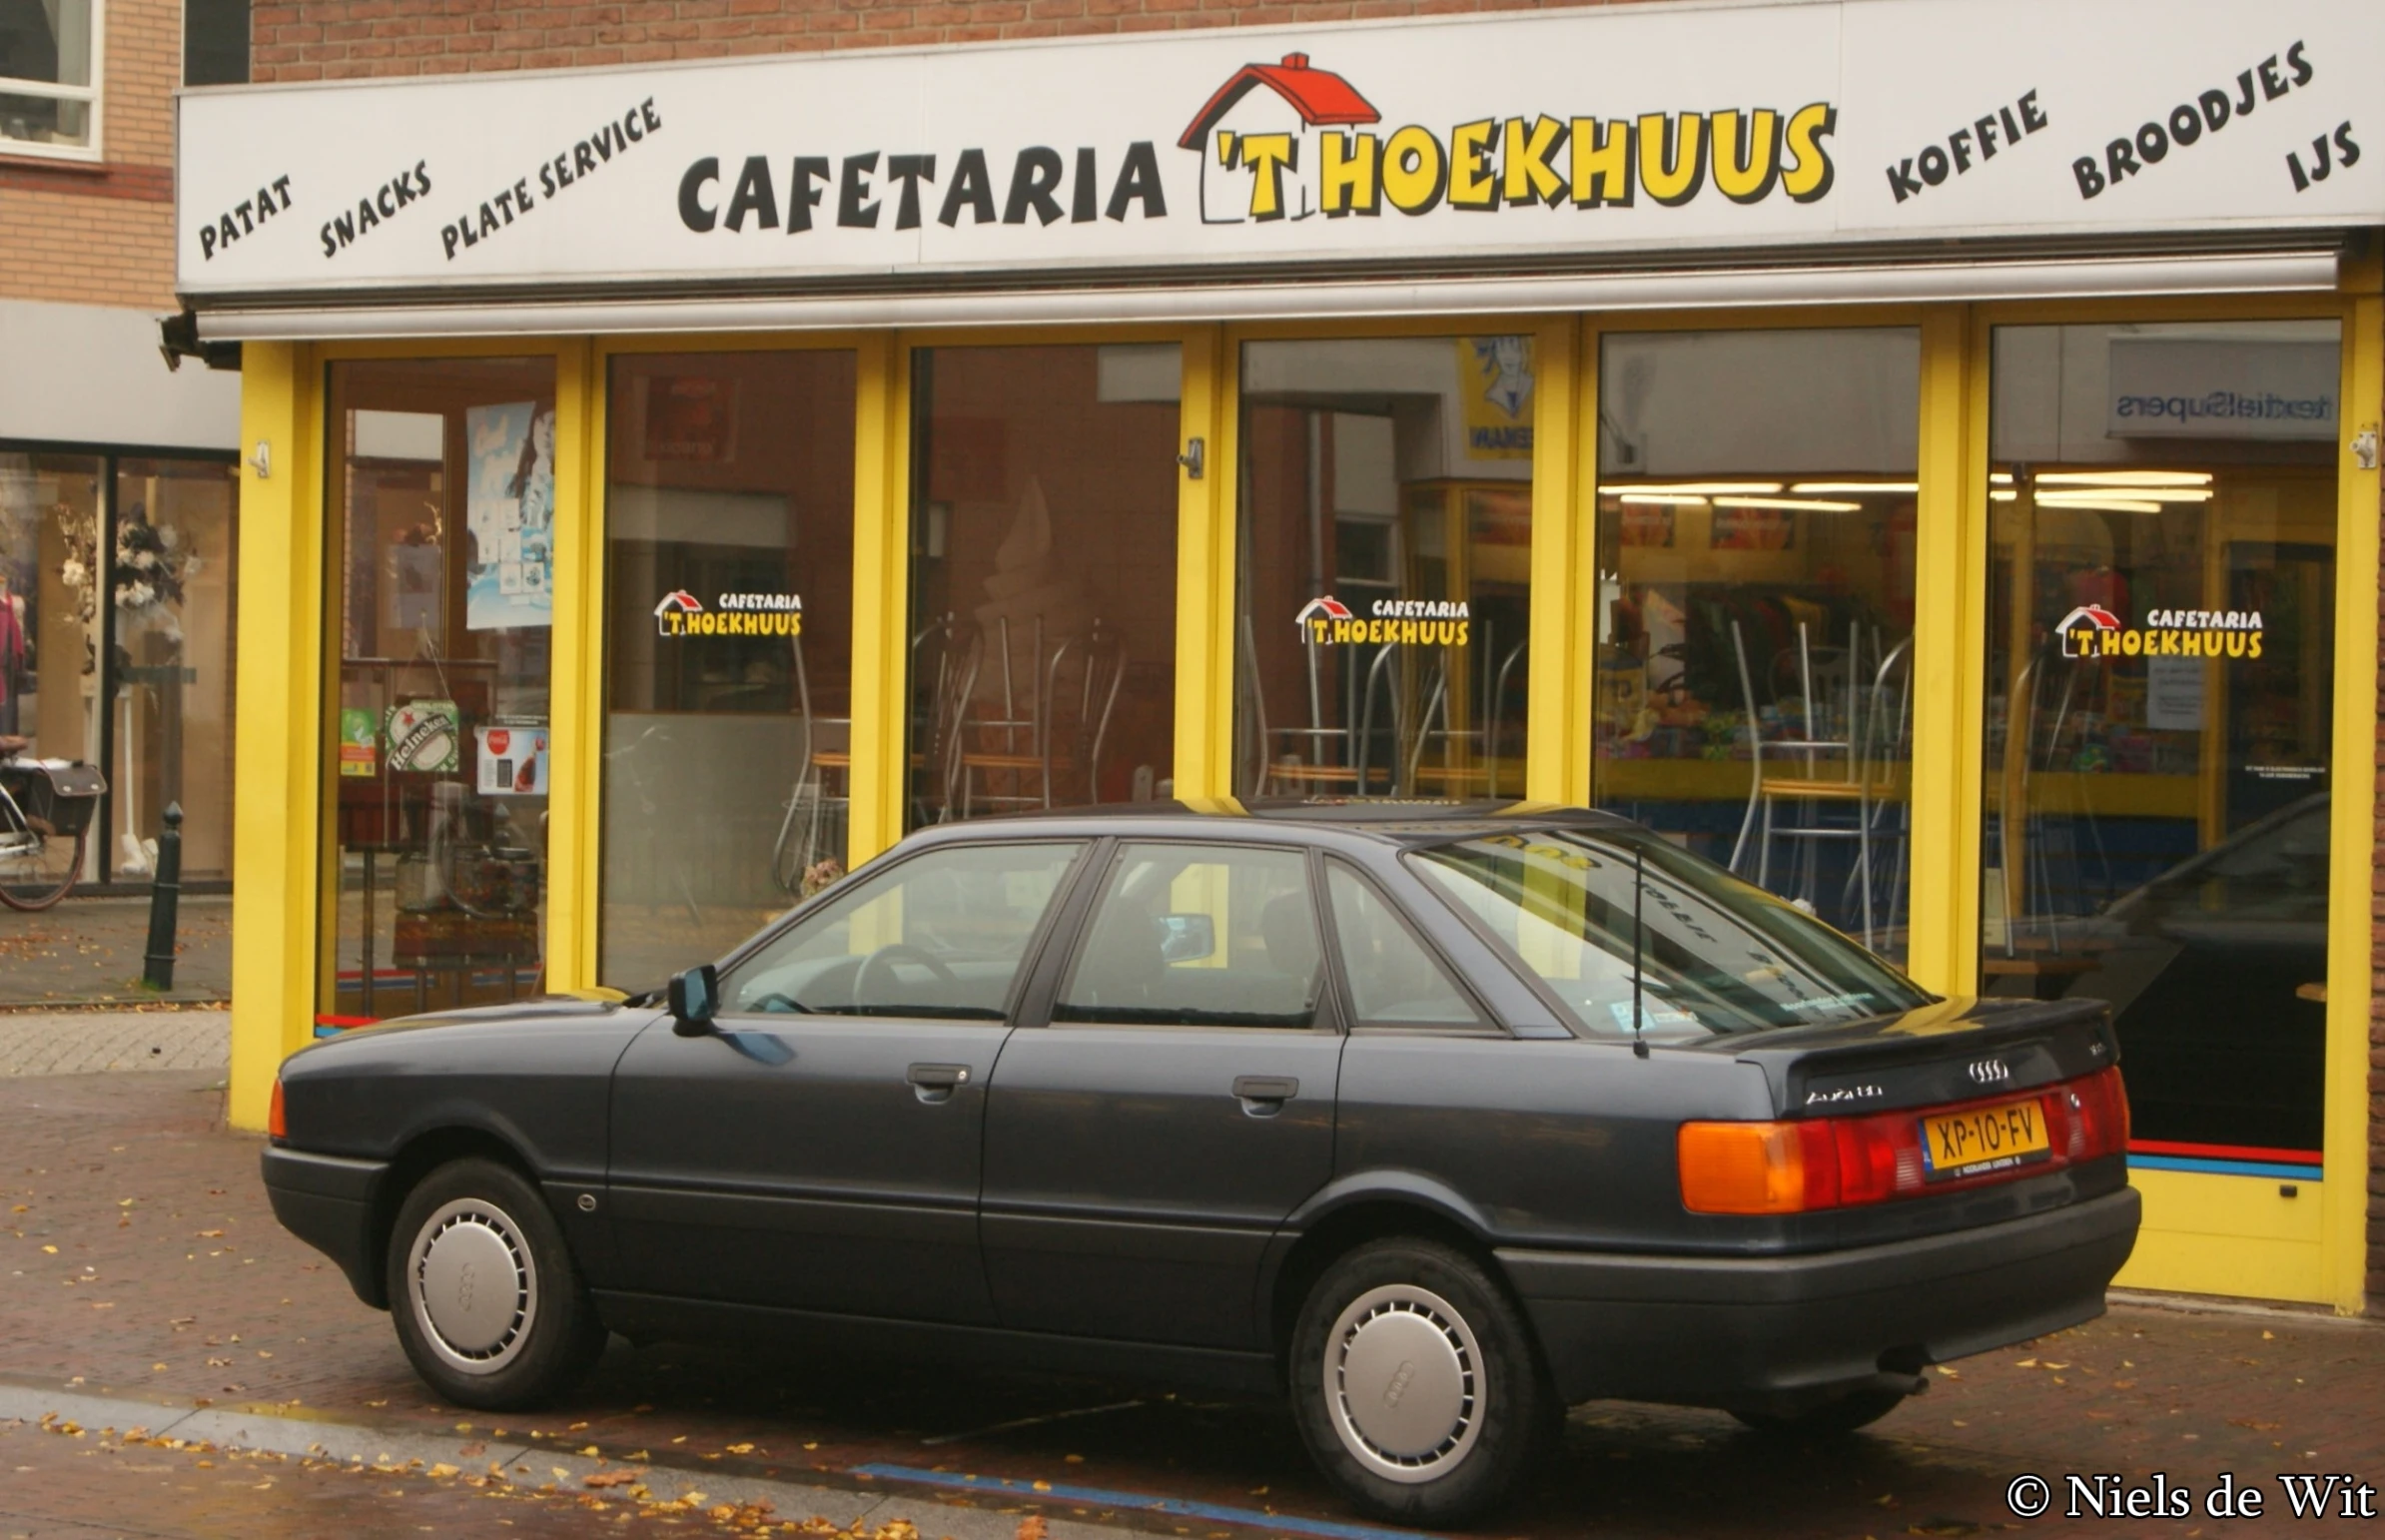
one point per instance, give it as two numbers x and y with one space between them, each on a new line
442 485
2161 686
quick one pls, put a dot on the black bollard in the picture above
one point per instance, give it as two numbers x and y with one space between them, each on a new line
164 898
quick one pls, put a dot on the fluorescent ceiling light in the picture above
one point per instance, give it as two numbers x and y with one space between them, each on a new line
1669 499
2066 494
2004 497
2000 477
1810 505
2129 479
1880 488
2105 506
1692 489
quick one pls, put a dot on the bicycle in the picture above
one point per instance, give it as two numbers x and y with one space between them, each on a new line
46 810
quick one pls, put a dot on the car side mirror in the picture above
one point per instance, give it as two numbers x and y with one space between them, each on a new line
692 999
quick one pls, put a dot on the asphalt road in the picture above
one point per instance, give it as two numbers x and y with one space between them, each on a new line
139 1263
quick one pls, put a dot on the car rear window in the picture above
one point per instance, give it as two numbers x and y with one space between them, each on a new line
1713 954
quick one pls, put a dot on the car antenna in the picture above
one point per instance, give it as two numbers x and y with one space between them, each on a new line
1639 885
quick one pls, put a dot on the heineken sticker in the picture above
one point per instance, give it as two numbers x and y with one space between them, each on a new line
425 735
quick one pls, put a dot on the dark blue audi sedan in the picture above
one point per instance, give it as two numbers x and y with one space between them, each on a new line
1437 1118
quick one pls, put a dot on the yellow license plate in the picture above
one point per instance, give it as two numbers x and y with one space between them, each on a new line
1985 1139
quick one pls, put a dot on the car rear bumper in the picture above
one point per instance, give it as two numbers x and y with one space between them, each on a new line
1779 1332
328 1202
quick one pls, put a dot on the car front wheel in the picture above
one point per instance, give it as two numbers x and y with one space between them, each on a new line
488 1307
1414 1382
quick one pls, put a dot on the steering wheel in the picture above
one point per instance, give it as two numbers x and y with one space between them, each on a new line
887 957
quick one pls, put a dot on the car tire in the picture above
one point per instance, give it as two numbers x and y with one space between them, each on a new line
488 1307
1856 1409
1415 1383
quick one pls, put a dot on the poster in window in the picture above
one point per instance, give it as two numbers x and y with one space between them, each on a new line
509 515
1754 529
1497 386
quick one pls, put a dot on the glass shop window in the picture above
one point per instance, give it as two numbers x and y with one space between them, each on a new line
728 624
50 579
442 484
1755 607
2160 696
1042 577
1384 579
176 556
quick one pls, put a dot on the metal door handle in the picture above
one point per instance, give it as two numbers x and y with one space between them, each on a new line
939 1076
1265 1087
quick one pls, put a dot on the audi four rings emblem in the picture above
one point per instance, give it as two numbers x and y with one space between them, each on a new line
1988 1071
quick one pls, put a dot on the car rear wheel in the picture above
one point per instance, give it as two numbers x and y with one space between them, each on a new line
1857 1409
488 1307
1414 1382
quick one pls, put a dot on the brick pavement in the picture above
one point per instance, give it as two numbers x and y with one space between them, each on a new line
86 1042
170 1281
88 951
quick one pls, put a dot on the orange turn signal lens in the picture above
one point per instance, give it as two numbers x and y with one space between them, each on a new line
275 1123
1756 1167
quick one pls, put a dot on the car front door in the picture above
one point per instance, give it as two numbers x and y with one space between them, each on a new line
820 1148
1143 1146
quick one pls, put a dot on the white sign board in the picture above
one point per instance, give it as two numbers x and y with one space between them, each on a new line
1640 128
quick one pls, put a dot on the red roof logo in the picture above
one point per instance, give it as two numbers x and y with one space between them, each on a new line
2079 619
1323 607
1320 97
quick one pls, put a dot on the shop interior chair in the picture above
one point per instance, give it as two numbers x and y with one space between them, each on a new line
1099 662
1828 802
1290 759
1885 771
819 806
957 652
1495 737
2037 851
1004 763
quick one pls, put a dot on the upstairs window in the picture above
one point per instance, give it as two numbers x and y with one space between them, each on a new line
214 42
49 67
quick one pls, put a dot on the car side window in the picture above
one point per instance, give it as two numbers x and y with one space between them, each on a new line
1394 979
1188 935
940 935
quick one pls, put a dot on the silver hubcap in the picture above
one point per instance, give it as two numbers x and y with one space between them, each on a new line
475 1289
1405 1380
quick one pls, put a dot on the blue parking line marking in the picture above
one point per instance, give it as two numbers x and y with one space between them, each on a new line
1061 1492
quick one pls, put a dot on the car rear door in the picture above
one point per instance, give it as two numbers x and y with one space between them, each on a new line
820 1149
1145 1144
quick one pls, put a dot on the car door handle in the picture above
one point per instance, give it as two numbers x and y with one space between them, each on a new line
938 1081
1278 1088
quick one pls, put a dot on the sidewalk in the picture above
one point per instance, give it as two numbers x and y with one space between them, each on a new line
84 1041
88 951
144 1265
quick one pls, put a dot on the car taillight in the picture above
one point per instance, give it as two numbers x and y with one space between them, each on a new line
1799 1165
276 1124
1757 1167
2098 1114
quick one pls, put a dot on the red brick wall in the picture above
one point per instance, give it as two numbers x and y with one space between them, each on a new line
336 39
104 233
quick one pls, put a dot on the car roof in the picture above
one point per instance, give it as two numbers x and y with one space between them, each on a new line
1403 822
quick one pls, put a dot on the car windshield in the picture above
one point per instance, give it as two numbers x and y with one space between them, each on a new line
1714 955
